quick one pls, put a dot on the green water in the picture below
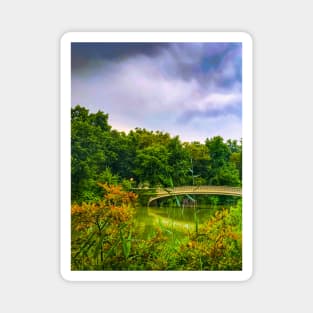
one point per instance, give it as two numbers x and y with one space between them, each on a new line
180 220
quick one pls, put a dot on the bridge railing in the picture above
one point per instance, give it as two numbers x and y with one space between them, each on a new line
193 189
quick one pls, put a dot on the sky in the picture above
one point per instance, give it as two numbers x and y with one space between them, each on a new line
193 90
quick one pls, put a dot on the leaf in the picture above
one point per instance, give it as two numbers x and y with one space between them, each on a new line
191 198
177 201
126 244
99 245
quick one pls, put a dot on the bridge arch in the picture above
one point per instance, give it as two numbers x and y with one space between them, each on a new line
195 190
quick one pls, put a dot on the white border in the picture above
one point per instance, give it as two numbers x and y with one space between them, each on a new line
65 161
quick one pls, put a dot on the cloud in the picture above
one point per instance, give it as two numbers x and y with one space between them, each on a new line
179 88
90 54
214 105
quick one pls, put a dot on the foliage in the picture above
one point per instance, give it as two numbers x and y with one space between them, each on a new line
142 157
223 169
217 245
100 229
107 165
105 237
152 164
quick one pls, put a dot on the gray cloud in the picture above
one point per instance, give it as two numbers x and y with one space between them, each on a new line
180 88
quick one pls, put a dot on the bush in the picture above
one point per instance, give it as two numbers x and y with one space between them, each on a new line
104 237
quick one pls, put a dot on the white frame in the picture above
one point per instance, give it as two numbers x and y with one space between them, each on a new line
65 166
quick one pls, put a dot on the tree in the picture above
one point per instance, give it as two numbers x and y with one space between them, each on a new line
142 156
222 172
199 162
178 161
151 164
90 152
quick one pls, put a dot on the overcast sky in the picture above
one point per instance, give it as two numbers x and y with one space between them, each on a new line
188 89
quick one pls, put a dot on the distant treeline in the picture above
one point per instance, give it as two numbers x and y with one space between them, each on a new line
144 158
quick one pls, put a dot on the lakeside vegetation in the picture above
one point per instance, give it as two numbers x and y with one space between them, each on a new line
108 166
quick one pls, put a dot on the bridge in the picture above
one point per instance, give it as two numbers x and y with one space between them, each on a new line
195 190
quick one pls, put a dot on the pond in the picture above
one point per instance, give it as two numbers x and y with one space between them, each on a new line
173 219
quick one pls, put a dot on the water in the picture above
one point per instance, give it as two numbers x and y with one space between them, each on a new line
175 219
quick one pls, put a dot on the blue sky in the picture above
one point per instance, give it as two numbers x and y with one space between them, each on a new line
188 89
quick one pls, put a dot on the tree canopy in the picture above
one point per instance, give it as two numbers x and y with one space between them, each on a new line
100 154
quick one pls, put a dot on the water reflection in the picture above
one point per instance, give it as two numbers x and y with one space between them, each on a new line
173 218
184 213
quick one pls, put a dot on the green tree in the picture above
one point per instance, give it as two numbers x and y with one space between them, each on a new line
222 171
178 161
151 164
199 162
90 152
